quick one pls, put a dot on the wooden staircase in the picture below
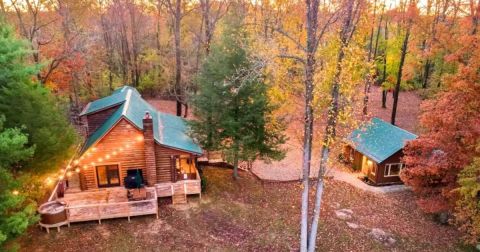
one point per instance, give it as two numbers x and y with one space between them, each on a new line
179 194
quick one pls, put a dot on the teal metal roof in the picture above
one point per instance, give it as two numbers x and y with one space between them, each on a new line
169 130
379 140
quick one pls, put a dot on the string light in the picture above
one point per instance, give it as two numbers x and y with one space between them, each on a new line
69 174
94 148
75 162
114 153
69 166
127 146
85 167
77 170
107 156
121 149
49 181
100 159
15 192
61 177
139 138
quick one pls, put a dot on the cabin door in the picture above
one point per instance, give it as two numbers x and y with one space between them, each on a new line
108 175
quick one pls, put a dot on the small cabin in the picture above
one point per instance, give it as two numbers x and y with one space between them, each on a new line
376 149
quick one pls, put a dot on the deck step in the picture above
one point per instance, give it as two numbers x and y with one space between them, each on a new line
180 198
179 195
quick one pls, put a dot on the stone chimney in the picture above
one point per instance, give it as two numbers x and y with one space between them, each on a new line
149 150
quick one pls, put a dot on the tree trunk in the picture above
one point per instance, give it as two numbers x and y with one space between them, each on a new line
400 70
330 130
235 165
426 74
178 56
370 51
312 25
384 98
384 77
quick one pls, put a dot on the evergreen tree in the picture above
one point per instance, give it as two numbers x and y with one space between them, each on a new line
16 211
25 103
232 109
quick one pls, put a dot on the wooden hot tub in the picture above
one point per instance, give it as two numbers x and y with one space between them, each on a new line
52 214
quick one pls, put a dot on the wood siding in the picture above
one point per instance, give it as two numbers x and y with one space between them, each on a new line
381 179
95 120
131 157
164 162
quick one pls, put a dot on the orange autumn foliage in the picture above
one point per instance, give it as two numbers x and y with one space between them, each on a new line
452 132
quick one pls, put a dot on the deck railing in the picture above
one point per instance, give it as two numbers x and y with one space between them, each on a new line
102 211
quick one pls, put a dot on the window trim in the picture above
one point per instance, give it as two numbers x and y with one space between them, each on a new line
108 164
389 166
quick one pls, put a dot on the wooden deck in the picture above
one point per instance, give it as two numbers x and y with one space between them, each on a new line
107 204
188 187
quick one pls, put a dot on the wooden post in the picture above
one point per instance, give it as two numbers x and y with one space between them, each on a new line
99 215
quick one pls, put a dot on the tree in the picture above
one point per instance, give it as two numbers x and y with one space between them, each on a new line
351 14
27 104
16 212
411 9
174 8
467 210
232 109
450 120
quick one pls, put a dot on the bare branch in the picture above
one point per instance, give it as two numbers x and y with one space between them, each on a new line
293 57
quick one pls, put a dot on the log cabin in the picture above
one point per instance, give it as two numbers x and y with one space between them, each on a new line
376 149
127 138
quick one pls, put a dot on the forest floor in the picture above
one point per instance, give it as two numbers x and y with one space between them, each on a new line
289 169
248 215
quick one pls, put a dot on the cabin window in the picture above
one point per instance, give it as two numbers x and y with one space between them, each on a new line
392 170
185 167
108 175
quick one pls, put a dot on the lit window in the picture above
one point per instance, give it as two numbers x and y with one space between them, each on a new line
392 170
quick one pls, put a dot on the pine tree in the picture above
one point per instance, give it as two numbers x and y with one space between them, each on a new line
232 108
16 211
25 103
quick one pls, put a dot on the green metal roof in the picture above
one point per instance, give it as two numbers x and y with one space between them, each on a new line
379 140
169 130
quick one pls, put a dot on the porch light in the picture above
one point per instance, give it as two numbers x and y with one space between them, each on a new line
369 162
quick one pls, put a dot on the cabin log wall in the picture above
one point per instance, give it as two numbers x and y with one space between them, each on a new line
164 162
132 157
